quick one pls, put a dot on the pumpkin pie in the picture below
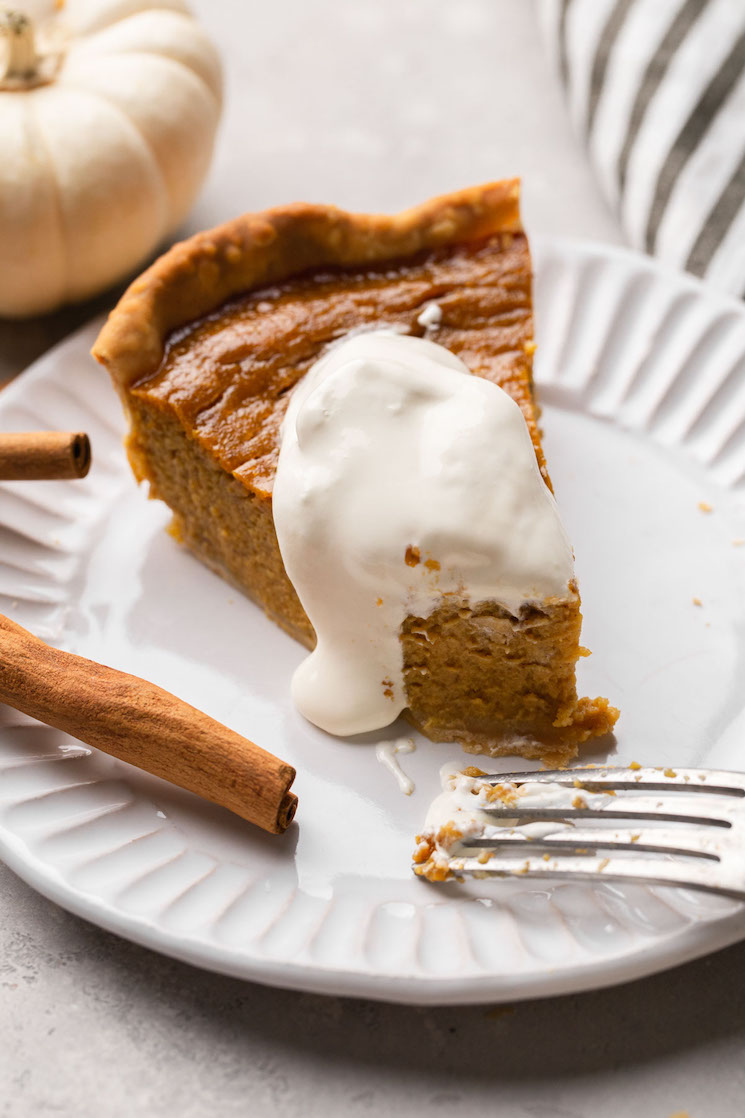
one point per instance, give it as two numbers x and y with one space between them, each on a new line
205 349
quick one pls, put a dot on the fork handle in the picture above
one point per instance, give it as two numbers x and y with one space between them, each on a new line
144 725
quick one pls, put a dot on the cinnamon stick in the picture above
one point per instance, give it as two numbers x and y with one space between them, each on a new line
145 726
44 455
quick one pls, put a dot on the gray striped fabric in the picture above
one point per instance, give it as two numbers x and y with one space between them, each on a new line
656 88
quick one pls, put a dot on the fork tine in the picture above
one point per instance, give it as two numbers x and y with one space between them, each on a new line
708 781
651 840
612 841
628 807
641 871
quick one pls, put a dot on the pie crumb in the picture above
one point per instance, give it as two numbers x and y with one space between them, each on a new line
505 1010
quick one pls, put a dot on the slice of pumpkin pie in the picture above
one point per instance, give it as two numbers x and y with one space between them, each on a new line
339 410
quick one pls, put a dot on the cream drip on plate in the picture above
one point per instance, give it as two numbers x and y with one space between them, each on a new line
387 753
402 478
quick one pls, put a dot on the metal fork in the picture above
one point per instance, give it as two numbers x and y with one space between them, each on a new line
708 836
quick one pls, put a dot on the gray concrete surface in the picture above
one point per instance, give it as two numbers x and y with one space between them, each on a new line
371 104
92 1026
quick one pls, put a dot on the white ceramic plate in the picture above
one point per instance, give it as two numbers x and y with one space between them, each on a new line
642 377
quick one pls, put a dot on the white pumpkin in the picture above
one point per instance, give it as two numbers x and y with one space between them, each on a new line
106 133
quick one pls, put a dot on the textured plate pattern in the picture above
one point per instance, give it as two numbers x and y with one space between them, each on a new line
642 375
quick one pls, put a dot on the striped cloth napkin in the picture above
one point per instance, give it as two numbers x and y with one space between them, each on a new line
656 88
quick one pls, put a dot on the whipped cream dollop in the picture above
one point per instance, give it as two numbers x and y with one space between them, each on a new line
461 813
466 797
403 478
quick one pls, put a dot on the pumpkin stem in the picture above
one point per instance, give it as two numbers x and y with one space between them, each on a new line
22 59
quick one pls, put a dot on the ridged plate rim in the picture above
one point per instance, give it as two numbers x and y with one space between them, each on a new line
697 938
